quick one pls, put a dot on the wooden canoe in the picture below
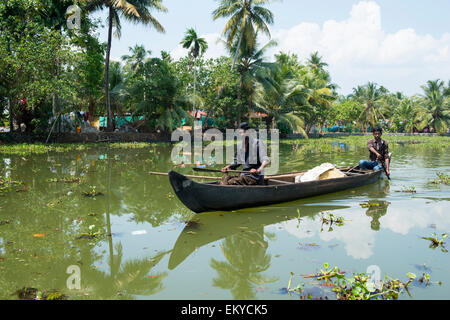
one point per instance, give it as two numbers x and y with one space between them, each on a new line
205 197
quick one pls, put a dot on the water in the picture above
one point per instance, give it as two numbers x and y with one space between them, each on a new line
144 250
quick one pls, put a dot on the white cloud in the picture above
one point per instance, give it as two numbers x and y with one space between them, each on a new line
358 50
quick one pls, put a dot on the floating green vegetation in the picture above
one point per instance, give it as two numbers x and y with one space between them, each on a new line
192 223
54 203
170 196
93 232
411 189
65 180
330 219
359 286
333 144
3 222
24 149
374 204
436 242
28 293
442 178
92 193
7 184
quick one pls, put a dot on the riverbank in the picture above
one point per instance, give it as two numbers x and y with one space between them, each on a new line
125 141
99 137
115 137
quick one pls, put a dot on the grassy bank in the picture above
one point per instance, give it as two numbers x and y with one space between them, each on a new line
313 144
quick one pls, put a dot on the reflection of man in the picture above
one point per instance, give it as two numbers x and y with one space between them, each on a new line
252 154
379 153
376 213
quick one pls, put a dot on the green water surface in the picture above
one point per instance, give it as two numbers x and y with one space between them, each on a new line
143 248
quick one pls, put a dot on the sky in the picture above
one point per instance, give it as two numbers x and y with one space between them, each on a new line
400 44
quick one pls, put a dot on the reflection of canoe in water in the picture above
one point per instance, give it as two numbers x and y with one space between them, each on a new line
203 197
212 227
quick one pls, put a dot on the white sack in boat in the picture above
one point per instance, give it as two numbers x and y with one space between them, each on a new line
315 173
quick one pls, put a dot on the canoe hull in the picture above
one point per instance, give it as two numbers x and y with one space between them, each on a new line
204 197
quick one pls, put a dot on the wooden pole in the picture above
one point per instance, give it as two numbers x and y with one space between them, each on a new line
187 176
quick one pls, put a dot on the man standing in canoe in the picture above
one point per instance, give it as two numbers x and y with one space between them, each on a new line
252 153
379 153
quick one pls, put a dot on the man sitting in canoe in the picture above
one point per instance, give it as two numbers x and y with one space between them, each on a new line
252 153
379 153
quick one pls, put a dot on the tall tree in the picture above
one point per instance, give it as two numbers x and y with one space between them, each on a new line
372 97
252 67
197 47
137 58
245 18
136 11
436 99
315 62
278 95
409 115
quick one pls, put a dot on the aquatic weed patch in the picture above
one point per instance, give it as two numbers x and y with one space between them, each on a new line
436 242
25 149
358 286
329 144
29 293
442 178
7 184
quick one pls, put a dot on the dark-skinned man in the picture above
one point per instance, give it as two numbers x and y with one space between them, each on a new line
252 154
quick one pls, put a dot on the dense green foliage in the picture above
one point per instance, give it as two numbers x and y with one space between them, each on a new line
49 69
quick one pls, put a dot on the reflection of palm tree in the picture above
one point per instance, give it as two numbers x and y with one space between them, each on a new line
247 259
127 279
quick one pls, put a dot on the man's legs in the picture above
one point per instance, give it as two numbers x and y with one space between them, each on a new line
228 180
370 165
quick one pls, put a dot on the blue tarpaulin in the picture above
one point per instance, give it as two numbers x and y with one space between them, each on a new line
103 121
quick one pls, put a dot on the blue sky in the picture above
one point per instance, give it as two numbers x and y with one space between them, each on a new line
396 43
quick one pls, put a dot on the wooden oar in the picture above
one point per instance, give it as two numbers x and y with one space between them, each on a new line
191 177
385 170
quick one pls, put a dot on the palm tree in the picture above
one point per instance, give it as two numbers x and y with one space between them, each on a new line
278 95
437 100
372 97
136 11
409 115
252 67
319 98
244 16
137 58
315 62
197 47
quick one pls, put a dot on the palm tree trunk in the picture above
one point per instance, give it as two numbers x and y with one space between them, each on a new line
195 87
241 85
208 114
91 110
109 127
237 49
11 103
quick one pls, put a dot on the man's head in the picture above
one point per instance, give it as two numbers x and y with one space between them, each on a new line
243 127
377 132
